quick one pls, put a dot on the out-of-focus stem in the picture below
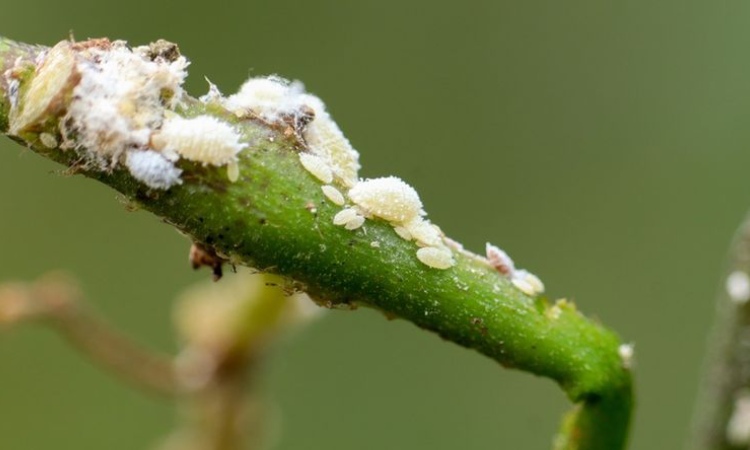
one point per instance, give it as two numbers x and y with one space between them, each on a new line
722 418
56 301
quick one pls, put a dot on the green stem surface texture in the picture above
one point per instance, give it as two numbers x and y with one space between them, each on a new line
275 218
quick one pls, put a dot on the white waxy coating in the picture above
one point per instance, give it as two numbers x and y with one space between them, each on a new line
152 169
499 259
738 286
436 257
317 166
120 99
203 139
389 198
527 282
270 98
333 194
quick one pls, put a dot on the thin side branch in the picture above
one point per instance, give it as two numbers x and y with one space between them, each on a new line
55 300
224 331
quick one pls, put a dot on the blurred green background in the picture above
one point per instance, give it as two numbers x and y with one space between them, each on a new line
603 144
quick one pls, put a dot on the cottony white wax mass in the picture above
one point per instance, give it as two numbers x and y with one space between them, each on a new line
152 169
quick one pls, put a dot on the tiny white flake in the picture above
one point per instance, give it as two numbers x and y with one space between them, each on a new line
738 286
355 223
436 257
233 171
389 198
213 94
14 87
375 244
344 216
317 166
48 140
499 259
203 139
152 169
527 282
627 355
333 194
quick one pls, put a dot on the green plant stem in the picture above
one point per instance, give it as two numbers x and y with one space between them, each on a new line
276 219
727 368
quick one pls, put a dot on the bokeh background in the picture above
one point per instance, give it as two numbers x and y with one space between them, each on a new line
605 145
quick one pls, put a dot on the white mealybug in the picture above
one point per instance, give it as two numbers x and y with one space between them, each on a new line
333 194
436 257
317 166
152 169
350 218
425 233
203 139
388 198
499 259
527 282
